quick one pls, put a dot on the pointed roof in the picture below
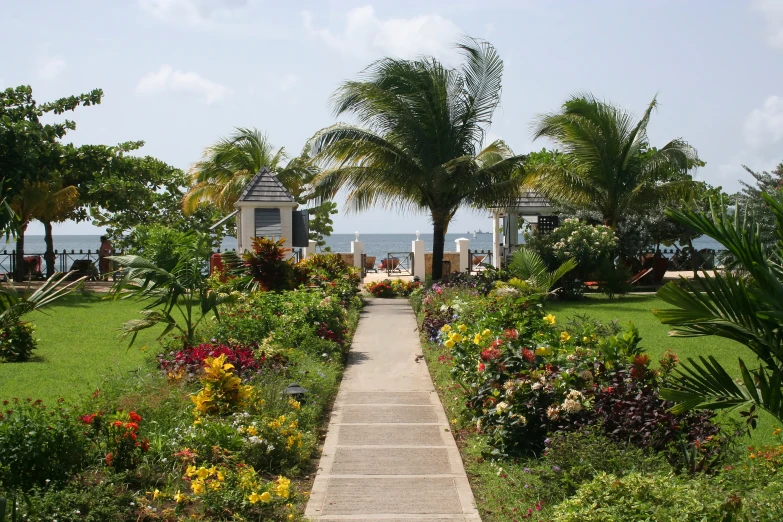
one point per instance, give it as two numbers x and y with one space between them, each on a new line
265 188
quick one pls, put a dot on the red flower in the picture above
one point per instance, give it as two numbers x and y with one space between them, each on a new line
511 334
481 367
134 417
131 426
109 459
528 355
87 419
491 354
641 360
145 446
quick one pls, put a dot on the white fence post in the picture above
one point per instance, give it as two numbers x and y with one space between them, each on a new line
417 247
463 245
309 249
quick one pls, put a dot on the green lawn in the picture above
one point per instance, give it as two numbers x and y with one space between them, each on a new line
78 348
655 338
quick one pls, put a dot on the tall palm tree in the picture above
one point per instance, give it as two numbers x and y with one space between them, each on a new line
419 143
608 165
226 167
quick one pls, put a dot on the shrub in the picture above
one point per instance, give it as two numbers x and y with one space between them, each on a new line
332 274
267 265
245 359
84 501
381 288
636 496
17 342
222 392
38 446
117 437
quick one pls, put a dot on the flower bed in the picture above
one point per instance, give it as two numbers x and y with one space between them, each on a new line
543 408
392 287
207 435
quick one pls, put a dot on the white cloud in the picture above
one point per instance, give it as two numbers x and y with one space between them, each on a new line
200 13
51 68
366 34
772 11
167 79
764 126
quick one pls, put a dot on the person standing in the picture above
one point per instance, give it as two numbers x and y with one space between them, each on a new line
104 265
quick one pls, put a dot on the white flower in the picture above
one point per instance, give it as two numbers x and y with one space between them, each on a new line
553 412
536 386
501 407
572 406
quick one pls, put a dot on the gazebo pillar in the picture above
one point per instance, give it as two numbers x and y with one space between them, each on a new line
496 239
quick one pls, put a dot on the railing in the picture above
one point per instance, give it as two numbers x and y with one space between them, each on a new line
399 262
364 265
36 264
479 260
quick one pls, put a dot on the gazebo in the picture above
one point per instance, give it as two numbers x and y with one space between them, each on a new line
267 209
529 207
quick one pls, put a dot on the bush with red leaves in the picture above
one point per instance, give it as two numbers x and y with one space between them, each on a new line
245 359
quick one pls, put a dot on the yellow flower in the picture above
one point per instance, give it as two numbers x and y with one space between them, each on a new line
191 470
202 473
266 497
543 350
254 498
457 338
179 497
477 339
449 344
198 421
777 431
156 494
197 486
462 328
446 328
212 470
486 332
251 430
290 516
585 339
565 337
221 476
549 318
294 404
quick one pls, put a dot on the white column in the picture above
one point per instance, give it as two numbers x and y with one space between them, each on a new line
463 245
309 249
496 239
417 247
357 248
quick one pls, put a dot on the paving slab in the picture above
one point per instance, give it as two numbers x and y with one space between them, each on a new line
390 435
389 454
391 461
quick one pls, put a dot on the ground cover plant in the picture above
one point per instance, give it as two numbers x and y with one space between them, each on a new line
200 430
555 415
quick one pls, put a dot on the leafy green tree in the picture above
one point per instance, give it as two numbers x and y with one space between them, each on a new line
29 149
750 198
420 144
746 307
607 164
219 178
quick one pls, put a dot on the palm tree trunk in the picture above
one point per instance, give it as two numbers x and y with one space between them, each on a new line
49 255
438 242
19 273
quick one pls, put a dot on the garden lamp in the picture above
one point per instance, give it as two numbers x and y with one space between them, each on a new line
295 391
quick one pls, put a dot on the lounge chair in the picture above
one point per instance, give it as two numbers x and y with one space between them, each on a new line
369 264
390 267
631 281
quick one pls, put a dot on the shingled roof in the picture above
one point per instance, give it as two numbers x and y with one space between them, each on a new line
265 188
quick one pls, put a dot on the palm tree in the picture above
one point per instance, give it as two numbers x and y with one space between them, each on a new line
226 167
608 165
419 147
746 307
47 202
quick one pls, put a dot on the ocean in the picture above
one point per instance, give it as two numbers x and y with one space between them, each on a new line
378 245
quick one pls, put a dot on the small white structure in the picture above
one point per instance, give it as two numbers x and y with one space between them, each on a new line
267 209
529 207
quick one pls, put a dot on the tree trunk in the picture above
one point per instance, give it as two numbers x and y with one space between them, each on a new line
438 242
19 273
49 255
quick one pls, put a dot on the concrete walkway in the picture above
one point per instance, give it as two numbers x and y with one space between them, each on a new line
389 453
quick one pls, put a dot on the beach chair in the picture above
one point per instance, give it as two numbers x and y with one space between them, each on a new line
369 264
635 279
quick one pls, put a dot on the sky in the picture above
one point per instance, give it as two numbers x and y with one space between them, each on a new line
180 74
